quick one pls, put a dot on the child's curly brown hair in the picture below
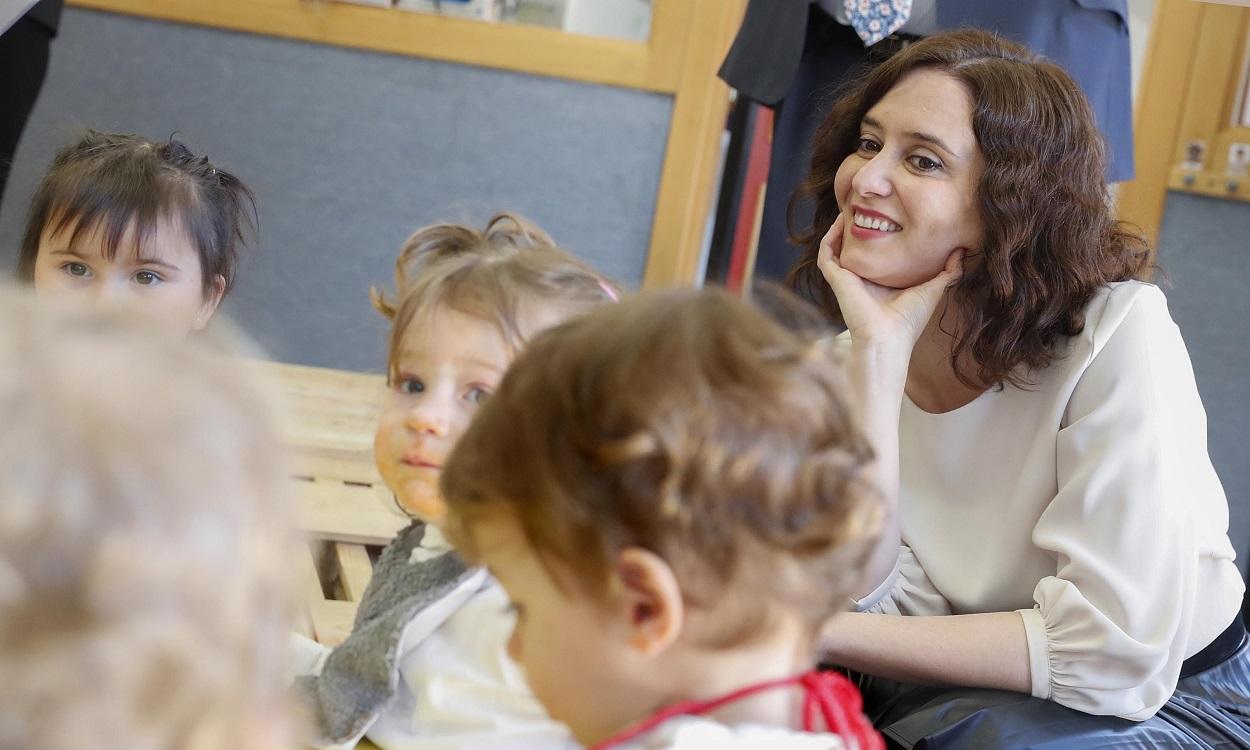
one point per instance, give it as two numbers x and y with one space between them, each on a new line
689 424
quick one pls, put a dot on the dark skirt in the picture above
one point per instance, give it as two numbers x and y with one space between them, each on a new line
1210 709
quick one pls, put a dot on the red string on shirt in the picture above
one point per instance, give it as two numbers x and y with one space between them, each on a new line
827 696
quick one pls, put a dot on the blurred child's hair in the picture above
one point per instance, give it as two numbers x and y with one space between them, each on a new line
686 423
113 181
144 539
500 274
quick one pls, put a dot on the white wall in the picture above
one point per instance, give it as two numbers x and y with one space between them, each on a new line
1140 14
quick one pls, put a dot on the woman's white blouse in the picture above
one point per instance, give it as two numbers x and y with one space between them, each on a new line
1087 503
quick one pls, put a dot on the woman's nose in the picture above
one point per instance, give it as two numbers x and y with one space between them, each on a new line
873 177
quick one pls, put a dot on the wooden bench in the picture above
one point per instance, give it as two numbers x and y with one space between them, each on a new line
344 508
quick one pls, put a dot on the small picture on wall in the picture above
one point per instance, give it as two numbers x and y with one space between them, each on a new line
1195 154
1238 159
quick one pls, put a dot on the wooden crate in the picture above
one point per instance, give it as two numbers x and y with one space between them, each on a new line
343 506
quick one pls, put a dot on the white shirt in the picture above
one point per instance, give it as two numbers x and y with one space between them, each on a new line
701 733
458 689
1088 503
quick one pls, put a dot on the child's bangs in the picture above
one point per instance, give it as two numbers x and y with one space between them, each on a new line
467 295
125 210
489 300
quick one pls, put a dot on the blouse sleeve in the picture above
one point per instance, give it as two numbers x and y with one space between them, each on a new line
906 591
1109 629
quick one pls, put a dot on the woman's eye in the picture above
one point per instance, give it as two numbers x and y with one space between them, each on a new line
409 385
147 278
925 164
77 269
478 395
869 145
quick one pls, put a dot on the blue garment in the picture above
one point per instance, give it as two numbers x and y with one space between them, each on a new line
1089 38
1209 710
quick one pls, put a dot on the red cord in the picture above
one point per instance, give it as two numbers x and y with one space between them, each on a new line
828 694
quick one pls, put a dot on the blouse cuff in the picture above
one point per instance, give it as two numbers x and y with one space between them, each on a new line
882 590
1039 652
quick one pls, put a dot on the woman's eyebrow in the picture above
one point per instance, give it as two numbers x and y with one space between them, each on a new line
918 135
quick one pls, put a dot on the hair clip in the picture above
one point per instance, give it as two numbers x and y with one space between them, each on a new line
612 295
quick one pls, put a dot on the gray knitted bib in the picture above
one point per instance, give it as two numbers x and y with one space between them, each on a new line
361 675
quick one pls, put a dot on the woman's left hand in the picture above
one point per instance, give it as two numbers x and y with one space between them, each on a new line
876 314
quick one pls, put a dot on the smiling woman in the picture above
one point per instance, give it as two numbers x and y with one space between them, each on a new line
1059 530
134 222
910 185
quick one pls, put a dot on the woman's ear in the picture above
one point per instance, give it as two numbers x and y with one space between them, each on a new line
211 301
651 599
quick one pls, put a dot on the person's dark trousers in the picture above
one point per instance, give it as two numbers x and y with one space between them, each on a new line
23 65
832 53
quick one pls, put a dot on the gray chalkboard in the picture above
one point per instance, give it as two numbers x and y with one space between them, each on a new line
1205 255
348 152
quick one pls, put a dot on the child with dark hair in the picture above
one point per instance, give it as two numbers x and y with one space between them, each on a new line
138 222
672 491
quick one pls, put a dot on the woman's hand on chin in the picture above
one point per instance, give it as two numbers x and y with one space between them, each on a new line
878 315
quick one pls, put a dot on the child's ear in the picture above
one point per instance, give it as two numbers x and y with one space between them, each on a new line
211 301
652 600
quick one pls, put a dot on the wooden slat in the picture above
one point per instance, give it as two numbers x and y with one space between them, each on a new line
347 513
355 569
330 418
342 502
1156 122
1187 93
309 579
692 155
332 621
344 466
517 47
1205 109
1213 184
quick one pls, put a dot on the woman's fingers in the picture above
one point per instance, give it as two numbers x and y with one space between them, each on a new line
833 238
955 264
830 247
930 293
951 273
875 311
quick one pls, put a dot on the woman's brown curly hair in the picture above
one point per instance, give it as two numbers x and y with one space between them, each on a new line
1051 239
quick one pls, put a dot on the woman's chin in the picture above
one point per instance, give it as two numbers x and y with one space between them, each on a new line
861 264
891 278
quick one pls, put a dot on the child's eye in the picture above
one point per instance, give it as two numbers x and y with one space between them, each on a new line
147 278
409 385
79 270
868 145
925 164
477 395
